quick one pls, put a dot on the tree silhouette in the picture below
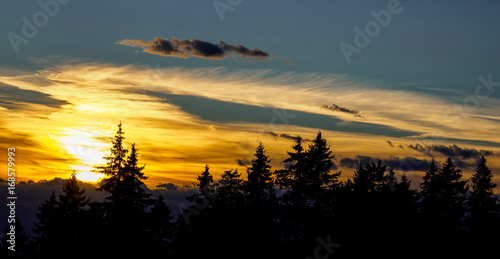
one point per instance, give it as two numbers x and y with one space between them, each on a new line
374 213
229 189
369 178
73 215
22 248
47 229
161 228
290 178
320 162
205 180
442 206
124 209
259 185
484 221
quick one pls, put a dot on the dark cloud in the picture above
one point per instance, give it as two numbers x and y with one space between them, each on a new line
195 48
452 151
243 162
397 163
461 157
390 143
337 108
31 194
13 98
167 186
286 136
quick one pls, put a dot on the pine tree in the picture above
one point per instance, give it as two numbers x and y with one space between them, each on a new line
369 178
161 227
205 181
229 189
290 178
320 163
482 201
115 163
47 229
443 206
484 221
21 247
124 209
259 185
73 199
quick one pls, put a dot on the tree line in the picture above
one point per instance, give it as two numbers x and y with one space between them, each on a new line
302 211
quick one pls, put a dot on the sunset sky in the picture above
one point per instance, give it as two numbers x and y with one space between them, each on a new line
194 84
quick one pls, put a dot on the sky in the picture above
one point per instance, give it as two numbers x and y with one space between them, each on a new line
203 82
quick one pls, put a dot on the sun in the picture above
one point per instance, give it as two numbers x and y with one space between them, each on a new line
89 176
83 145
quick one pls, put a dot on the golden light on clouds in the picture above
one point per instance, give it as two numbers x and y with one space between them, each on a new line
70 129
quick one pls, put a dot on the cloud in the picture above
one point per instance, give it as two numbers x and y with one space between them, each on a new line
34 194
336 108
15 98
390 143
402 164
285 136
195 48
452 151
243 162
461 157
167 186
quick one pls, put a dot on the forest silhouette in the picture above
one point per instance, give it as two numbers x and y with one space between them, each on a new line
302 211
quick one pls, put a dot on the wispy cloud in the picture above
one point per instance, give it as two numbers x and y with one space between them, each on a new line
337 108
99 95
397 163
195 48
285 136
452 151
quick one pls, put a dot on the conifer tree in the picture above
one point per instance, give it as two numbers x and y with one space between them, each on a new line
21 249
259 185
291 178
442 207
229 189
161 227
124 208
320 163
205 181
484 220
47 229
369 178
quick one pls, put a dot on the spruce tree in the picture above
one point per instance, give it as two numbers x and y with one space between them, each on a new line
370 178
259 185
442 206
47 230
229 189
161 228
320 162
124 208
205 181
21 247
291 177
73 213
484 220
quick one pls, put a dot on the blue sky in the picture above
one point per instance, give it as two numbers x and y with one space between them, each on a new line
407 82
443 44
